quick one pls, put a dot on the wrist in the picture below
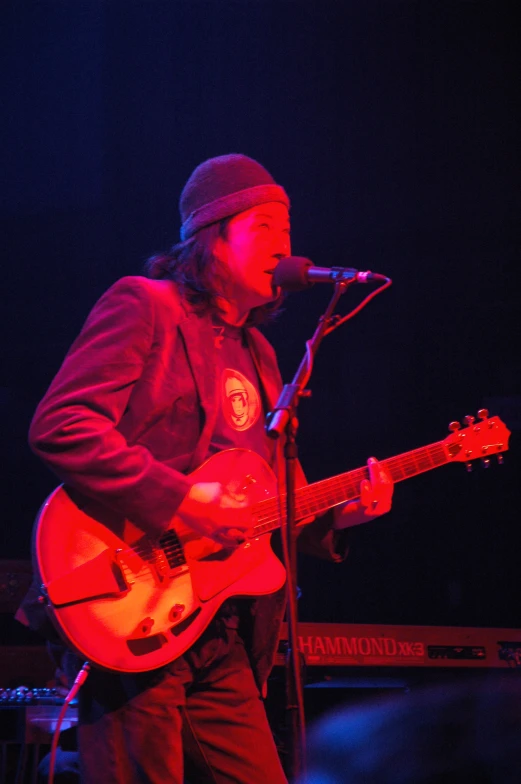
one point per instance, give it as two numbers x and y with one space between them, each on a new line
348 515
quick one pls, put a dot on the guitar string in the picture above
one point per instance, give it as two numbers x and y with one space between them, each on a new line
339 489
318 496
313 499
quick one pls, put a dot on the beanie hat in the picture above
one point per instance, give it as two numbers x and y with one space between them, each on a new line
224 186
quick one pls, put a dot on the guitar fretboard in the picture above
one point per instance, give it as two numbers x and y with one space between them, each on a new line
318 497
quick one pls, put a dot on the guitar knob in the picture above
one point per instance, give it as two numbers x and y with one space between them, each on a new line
176 611
483 413
454 426
469 420
468 466
500 459
146 625
485 462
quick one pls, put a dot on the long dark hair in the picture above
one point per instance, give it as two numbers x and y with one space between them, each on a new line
196 270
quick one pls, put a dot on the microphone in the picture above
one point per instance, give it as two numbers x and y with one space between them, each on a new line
295 273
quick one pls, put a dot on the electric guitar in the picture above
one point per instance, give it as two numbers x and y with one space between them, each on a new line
129 602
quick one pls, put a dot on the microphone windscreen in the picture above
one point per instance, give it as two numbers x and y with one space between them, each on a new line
291 273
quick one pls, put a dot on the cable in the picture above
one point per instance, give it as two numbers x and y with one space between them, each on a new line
80 679
340 320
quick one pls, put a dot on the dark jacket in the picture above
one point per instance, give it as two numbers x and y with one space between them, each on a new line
131 412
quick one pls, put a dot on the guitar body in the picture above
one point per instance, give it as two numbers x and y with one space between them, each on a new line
129 603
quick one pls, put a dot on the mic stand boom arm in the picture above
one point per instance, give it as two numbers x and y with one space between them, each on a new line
283 420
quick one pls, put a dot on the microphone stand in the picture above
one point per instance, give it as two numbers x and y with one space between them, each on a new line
281 420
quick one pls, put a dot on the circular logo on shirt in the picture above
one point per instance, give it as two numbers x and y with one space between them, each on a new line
240 400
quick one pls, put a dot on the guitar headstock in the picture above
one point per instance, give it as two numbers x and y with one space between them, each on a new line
483 438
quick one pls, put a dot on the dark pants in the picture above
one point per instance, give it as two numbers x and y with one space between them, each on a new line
205 707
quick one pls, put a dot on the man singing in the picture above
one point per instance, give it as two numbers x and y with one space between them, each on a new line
169 370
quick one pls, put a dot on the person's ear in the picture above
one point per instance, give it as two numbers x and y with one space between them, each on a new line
220 249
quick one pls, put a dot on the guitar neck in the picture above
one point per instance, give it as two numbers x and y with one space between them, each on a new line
317 498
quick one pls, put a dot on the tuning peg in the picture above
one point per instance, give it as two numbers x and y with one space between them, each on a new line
483 413
500 459
469 420
454 426
485 462
468 466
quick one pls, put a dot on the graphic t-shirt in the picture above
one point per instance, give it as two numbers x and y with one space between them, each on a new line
240 418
